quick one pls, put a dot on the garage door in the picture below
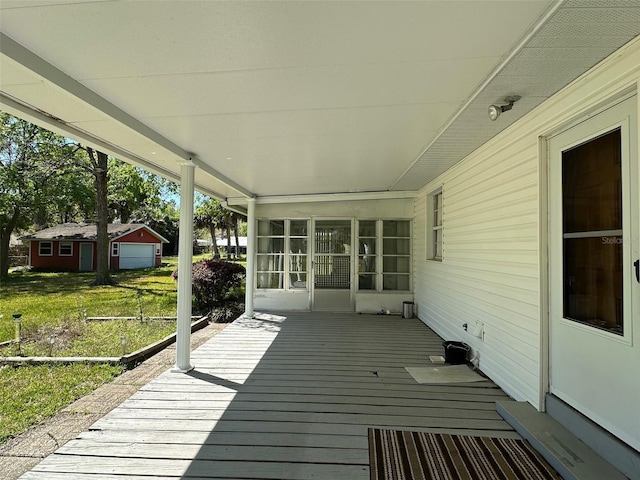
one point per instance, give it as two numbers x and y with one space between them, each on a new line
135 255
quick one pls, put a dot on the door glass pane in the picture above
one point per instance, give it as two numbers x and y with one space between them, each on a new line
592 233
333 236
332 263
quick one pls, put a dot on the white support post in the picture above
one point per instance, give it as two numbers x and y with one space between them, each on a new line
251 257
185 260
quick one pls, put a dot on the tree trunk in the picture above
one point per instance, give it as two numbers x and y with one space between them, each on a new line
214 242
100 170
228 241
235 234
5 238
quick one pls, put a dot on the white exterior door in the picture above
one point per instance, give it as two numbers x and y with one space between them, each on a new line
136 255
332 265
594 332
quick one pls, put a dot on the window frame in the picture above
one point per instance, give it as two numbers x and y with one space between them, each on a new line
61 244
288 258
375 256
435 225
380 255
384 255
41 243
115 249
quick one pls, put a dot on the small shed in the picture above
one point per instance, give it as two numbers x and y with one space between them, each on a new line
72 246
242 245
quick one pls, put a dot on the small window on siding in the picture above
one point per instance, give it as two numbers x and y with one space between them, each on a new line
45 249
157 249
115 249
434 226
65 249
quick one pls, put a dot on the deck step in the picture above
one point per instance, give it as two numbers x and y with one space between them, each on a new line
571 458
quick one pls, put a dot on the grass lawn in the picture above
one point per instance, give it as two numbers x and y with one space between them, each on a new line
56 304
50 300
31 394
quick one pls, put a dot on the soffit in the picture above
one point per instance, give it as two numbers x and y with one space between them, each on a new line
299 98
579 35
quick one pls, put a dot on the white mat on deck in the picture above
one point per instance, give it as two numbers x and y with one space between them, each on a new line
444 374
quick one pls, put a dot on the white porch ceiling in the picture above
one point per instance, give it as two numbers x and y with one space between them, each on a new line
295 98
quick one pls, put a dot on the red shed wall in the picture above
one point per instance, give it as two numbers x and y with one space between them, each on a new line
71 262
139 236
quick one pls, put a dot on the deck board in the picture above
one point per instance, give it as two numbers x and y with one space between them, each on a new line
274 397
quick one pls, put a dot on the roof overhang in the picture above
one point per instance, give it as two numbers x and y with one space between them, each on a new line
296 101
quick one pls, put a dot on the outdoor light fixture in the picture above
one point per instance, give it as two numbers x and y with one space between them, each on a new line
496 110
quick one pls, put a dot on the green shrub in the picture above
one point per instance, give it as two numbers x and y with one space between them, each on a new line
212 281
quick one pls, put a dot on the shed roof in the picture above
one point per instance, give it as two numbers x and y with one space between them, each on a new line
88 231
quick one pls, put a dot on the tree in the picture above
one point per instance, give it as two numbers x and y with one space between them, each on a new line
138 196
236 220
46 179
133 194
211 215
166 221
99 163
31 161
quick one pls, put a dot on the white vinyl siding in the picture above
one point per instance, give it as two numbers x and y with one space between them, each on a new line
491 271
496 236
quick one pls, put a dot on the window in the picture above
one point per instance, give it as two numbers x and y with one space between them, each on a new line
396 255
297 252
282 255
270 254
65 249
45 249
592 231
115 249
384 255
367 254
158 251
434 226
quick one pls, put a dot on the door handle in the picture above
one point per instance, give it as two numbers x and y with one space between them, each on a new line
636 264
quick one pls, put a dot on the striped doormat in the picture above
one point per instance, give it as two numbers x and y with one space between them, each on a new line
399 455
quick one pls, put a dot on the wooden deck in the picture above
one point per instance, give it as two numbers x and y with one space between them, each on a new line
279 397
